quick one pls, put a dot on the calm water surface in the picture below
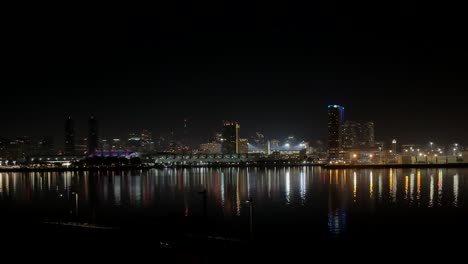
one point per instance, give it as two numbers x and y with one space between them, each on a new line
302 200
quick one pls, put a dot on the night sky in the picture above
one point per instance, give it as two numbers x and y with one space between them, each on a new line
273 68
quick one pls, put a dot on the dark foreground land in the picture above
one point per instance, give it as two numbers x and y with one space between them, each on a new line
416 234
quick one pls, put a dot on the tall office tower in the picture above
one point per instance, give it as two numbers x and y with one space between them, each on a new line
243 146
349 134
367 137
186 137
93 141
230 138
70 137
335 120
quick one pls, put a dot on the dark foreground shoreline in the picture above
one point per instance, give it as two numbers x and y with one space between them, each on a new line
388 232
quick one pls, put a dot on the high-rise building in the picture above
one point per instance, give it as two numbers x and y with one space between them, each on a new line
147 143
230 140
350 130
82 147
20 148
117 145
357 135
133 142
93 139
45 147
335 121
186 137
367 137
394 146
243 146
69 137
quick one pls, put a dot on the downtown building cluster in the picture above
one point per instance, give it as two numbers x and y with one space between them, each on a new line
351 142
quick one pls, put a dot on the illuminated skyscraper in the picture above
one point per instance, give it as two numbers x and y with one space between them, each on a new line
367 137
243 146
82 147
69 137
186 137
335 120
92 136
357 135
349 136
147 143
230 139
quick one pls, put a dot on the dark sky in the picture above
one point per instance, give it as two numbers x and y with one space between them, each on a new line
273 68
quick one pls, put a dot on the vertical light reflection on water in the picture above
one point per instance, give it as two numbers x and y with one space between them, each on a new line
431 191
302 186
86 186
221 188
336 208
105 186
1 184
238 198
345 176
248 182
390 184
269 183
118 189
455 190
48 181
439 186
33 182
336 177
354 186
411 187
406 187
41 181
380 186
371 186
418 186
137 187
288 187
395 186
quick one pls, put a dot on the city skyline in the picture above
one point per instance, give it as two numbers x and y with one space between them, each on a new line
345 137
81 131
